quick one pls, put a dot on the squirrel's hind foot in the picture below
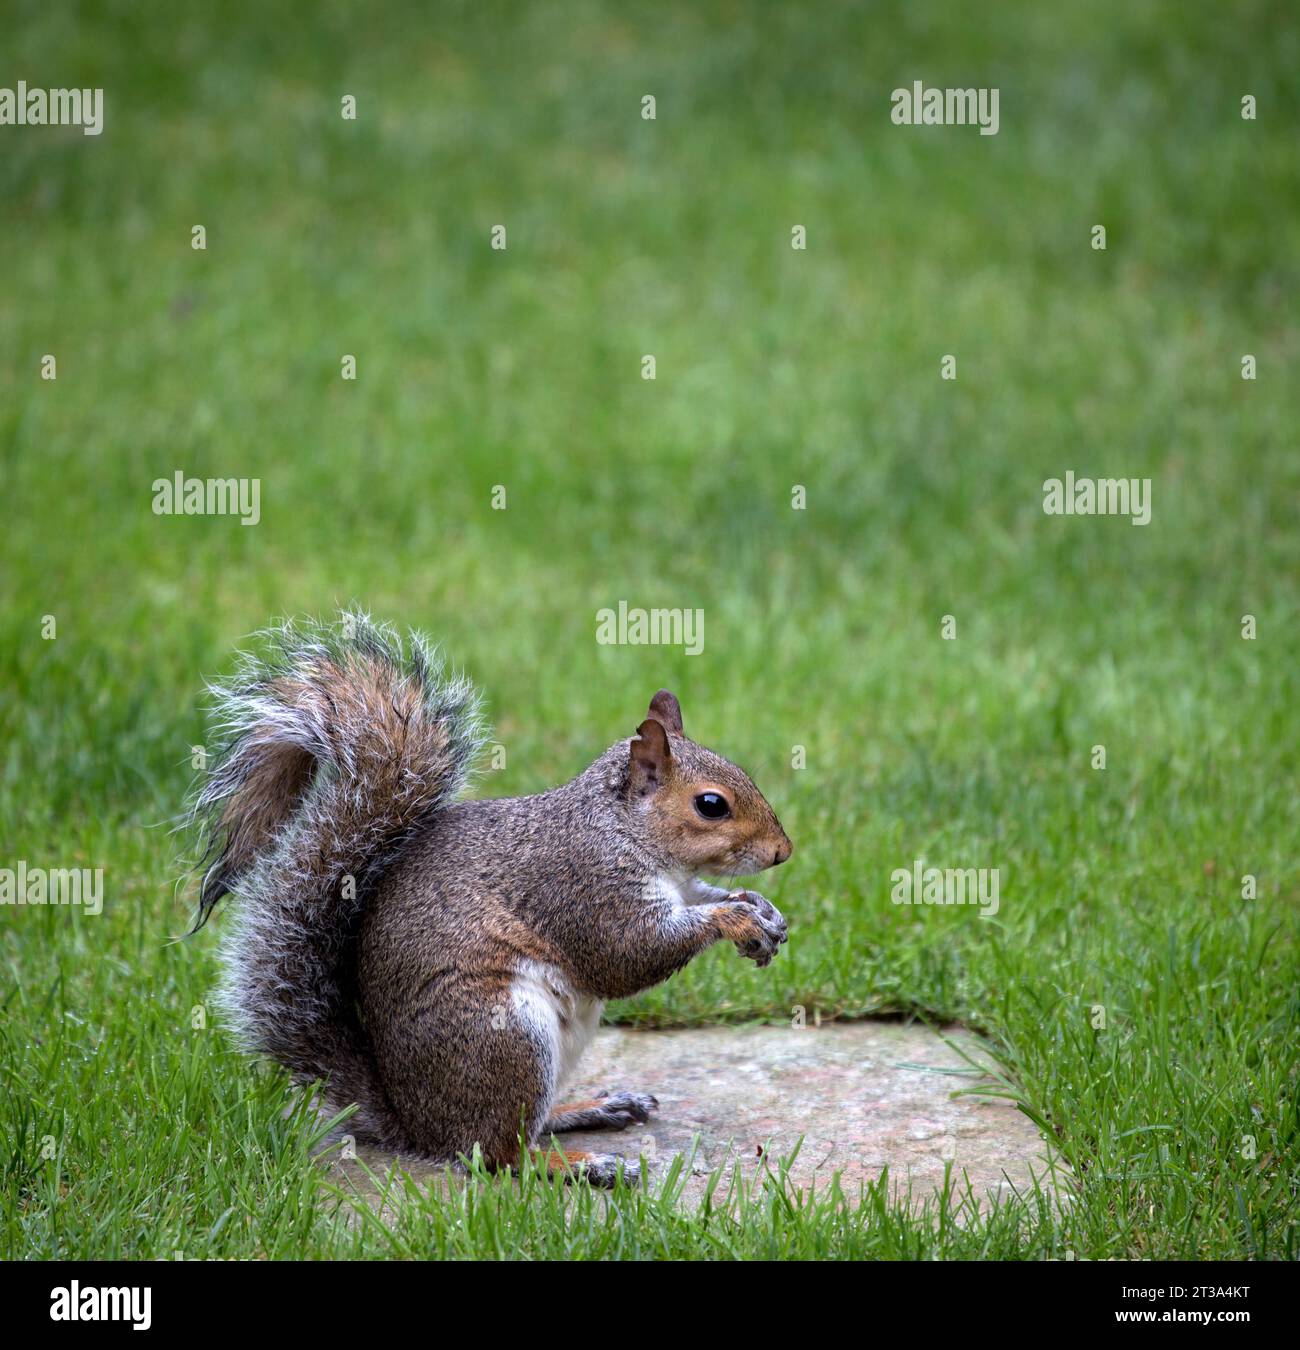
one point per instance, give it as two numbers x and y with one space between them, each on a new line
600 1169
605 1111
605 1169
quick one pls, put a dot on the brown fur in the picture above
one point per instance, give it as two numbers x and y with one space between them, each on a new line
479 935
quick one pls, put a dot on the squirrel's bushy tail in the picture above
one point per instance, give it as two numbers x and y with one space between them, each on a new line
341 743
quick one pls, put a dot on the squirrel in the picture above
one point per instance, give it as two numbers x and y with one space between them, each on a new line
441 964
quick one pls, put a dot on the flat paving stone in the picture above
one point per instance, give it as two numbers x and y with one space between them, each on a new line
863 1095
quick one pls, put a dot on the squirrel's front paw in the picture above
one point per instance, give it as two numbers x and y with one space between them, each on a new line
755 925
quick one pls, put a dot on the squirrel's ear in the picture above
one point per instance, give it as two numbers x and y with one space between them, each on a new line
665 709
650 757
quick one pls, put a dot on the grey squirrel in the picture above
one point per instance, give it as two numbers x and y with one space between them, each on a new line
440 963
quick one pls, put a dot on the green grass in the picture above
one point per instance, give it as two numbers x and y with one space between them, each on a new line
1120 888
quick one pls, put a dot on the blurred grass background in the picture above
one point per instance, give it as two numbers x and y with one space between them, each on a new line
775 367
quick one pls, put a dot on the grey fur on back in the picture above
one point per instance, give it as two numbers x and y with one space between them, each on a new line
342 742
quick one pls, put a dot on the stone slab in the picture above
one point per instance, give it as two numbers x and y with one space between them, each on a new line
864 1096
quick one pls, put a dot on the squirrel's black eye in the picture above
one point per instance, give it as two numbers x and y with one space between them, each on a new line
712 805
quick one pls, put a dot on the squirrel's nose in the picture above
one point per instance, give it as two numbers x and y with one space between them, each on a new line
783 850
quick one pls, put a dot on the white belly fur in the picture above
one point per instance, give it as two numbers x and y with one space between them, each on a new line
564 1019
